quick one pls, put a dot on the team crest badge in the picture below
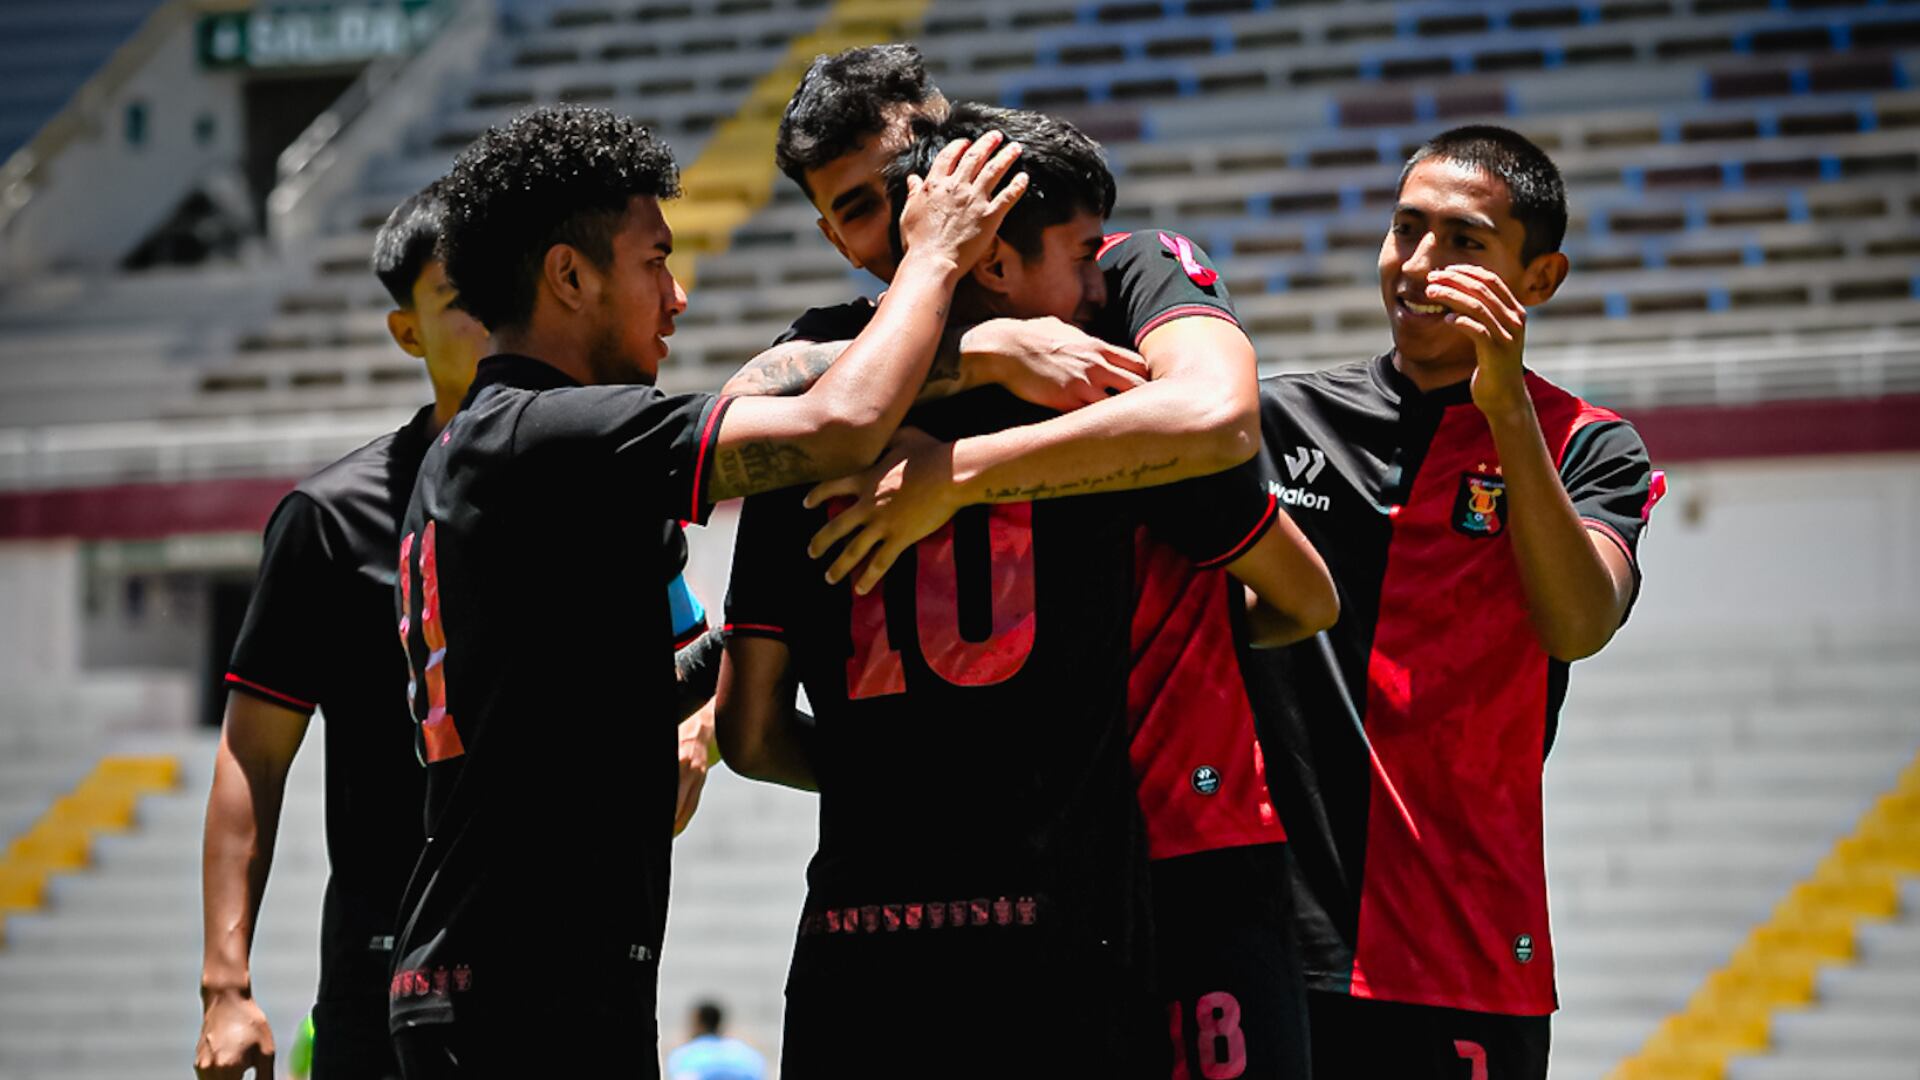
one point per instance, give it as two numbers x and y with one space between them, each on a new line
1480 509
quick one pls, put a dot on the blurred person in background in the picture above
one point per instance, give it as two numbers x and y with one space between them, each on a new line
319 634
1482 525
528 597
710 1055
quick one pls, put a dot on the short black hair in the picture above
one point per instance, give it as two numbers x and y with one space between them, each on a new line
1066 171
708 1016
407 242
559 174
843 100
1533 182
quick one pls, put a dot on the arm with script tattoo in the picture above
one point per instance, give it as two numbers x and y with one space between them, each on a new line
845 420
1185 423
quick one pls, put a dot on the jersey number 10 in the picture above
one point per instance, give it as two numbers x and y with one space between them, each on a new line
875 669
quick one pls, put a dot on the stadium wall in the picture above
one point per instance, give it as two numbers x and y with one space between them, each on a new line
1736 546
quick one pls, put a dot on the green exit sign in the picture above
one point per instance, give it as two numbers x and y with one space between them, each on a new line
318 35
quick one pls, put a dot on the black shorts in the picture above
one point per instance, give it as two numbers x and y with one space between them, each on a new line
969 1002
1360 1037
1232 997
350 1041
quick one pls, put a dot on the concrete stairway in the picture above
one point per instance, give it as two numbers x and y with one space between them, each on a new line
1698 777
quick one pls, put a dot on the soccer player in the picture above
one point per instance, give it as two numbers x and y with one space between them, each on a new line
1482 525
319 634
1230 982
529 598
978 900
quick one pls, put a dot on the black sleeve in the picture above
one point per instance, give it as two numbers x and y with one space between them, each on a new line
1155 277
1609 478
1213 520
289 628
1611 481
840 322
663 442
769 564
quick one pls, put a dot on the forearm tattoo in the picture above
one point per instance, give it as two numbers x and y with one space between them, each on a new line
786 371
762 465
1121 479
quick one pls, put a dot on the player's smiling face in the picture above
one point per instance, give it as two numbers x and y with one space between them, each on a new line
1064 281
1448 214
851 194
638 298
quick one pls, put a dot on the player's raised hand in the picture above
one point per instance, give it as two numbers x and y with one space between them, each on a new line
1052 363
953 212
234 1037
904 497
1482 306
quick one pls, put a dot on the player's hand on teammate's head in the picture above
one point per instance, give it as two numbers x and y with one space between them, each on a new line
953 212
234 1037
901 499
1053 363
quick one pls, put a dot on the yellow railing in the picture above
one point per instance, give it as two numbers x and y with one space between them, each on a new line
62 839
1779 963
734 175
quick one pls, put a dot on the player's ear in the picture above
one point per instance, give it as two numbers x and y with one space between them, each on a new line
839 246
991 272
567 275
1542 278
404 325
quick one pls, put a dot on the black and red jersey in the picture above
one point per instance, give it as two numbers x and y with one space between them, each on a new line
971 734
319 634
1198 765
541 641
1414 812
1202 779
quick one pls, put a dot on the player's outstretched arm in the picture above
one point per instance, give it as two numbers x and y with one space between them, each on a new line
1198 416
257 746
754 718
844 421
1290 593
1046 361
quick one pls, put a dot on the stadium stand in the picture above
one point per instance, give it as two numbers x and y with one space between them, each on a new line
48 49
99 984
1696 779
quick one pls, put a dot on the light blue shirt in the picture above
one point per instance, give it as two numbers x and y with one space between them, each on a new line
711 1057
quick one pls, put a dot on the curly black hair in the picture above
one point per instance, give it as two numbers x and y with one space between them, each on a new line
553 175
408 240
1066 170
843 100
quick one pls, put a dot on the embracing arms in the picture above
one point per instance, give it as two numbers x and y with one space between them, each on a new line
844 421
